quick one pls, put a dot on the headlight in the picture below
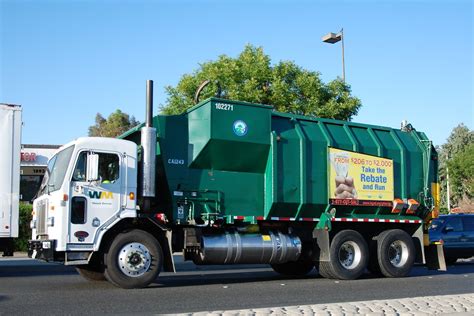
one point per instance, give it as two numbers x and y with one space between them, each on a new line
33 224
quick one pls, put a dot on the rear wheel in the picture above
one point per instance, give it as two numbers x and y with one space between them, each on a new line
395 253
348 256
134 260
295 268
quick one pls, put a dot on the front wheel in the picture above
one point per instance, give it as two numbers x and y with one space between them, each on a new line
134 260
94 270
90 274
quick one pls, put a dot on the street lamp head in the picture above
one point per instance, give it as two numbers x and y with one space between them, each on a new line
332 38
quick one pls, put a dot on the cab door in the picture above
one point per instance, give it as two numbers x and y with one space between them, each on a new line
94 203
453 232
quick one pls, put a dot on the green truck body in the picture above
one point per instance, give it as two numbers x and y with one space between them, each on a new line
278 167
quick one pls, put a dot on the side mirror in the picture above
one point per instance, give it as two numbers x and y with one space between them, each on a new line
92 167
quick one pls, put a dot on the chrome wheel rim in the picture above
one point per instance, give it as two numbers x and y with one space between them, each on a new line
349 255
398 253
134 259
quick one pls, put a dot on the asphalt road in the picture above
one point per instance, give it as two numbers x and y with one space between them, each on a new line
31 287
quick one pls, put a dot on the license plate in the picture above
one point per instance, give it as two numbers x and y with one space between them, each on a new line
46 244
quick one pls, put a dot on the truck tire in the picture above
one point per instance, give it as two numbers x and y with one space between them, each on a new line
94 270
133 260
395 253
295 268
348 255
90 273
324 269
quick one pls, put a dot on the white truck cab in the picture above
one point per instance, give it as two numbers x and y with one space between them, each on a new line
90 184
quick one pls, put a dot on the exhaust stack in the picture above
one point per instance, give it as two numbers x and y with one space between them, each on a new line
148 141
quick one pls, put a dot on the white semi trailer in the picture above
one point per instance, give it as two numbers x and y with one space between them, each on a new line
10 146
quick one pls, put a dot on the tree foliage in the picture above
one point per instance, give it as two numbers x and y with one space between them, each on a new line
461 171
457 156
251 77
116 124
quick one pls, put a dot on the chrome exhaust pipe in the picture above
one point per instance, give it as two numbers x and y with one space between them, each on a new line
148 142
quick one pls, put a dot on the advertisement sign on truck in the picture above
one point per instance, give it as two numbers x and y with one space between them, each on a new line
358 179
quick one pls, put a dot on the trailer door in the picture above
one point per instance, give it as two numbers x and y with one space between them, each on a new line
10 136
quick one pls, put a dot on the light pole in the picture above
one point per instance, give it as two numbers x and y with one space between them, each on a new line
332 38
448 195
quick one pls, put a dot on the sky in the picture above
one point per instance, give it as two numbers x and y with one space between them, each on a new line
65 61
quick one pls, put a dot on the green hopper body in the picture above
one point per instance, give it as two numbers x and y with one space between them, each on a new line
226 159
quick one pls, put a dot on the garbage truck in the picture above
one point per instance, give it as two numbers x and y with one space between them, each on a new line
10 146
230 182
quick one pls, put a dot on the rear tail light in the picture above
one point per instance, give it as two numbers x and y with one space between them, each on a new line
398 205
412 206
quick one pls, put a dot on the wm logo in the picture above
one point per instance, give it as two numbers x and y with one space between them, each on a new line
100 195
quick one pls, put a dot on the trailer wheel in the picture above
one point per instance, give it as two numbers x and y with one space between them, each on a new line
90 273
134 260
348 256
295 268
395 253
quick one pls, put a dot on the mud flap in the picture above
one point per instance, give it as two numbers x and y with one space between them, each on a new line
168 263
434 255
321 251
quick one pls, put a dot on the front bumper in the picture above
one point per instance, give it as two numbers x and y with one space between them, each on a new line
44 250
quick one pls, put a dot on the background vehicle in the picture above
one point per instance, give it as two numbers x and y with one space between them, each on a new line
231 182
456 232
10 146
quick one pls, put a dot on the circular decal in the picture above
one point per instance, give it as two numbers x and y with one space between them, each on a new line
240 128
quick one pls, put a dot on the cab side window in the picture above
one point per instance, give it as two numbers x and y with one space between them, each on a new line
108 167
79 173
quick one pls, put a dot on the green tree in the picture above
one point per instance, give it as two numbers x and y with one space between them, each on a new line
116 124
461 171
454 155
251 77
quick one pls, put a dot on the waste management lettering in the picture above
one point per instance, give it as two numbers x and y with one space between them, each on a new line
358 179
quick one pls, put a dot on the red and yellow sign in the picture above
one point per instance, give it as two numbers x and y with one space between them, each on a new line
358 179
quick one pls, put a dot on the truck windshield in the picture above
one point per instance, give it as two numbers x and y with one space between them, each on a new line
57 166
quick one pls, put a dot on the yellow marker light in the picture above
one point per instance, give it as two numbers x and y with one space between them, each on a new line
131 196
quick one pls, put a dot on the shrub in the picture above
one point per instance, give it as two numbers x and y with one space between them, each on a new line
21 243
